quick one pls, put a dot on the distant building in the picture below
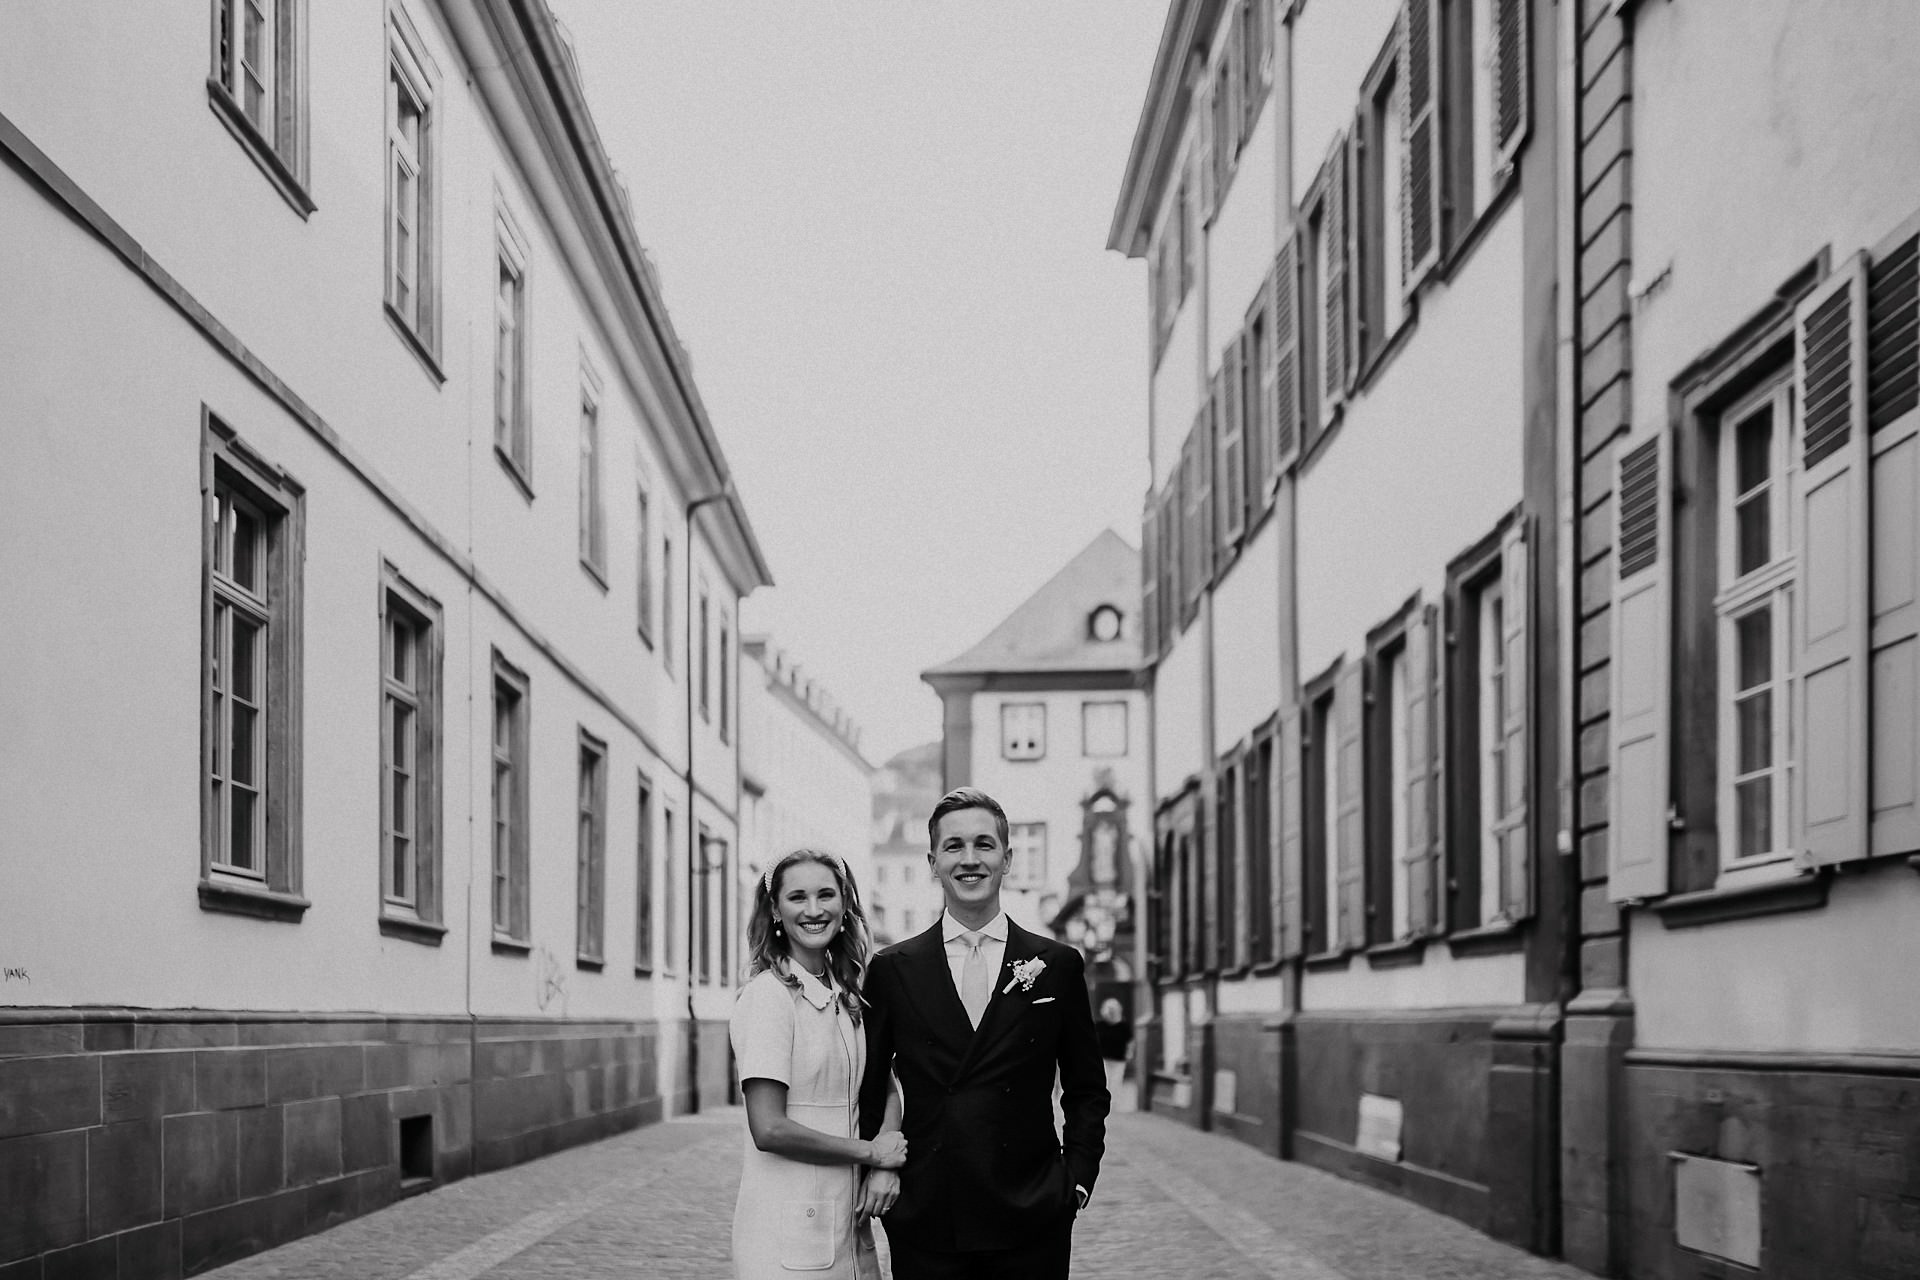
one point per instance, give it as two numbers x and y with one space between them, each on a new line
372 576
802 777
902 897
1048 714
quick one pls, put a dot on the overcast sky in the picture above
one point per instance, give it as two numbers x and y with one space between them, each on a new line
881 230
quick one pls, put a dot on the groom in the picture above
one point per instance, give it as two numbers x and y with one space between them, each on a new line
973 1016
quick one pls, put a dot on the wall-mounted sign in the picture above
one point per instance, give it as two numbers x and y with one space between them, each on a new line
1716 1207
1379 1131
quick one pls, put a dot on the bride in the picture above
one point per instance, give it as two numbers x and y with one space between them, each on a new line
801 1050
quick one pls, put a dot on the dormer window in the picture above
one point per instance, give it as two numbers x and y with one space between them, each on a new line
1103 624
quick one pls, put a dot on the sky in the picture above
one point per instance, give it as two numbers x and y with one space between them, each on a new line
881 228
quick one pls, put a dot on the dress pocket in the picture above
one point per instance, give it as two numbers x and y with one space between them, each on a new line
809 1230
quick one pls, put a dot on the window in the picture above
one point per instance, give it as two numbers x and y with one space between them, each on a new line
590 842
670 879
643 870
1103 729
1103 624
706 656
1379 179
1256 394
1400 768
643 565
1320 811
1027 843
1491 875
1482 72
510 808
512 431
258 88
411 251
1262 851
250 707
1225 951
1757 571
593 511
667 598
726 683
1023 730
409 756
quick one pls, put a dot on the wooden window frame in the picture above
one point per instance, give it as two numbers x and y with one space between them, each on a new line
277 144
231 470
593 478
643 564
1259 388
1381 309
1037 750
416 314
671 941
1319 734
509 866
644 875
1386 795
590 853
1229 952
513 420
1473 573
1261 797
402 603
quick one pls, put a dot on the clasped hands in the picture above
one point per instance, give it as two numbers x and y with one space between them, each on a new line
882 1184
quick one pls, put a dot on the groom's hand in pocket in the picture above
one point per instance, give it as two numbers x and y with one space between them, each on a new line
878 1193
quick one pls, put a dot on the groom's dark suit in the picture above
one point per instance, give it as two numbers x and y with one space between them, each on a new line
985 1169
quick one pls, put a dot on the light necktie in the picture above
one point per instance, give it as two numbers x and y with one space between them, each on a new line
973 976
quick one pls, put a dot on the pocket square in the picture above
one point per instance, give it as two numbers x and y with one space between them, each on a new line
1046 1000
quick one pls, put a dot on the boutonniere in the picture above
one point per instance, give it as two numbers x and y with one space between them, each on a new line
1024 973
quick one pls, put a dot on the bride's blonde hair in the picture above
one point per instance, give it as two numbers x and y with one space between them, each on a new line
846 954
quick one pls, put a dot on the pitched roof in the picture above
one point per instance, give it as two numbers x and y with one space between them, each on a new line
1050 631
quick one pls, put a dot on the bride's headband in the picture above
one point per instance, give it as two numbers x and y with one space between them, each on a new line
798 854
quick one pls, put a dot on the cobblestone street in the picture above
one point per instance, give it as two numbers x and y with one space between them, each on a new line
657 1203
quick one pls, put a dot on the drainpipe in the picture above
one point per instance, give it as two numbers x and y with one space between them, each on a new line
696 857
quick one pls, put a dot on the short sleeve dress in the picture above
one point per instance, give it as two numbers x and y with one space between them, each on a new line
794 1218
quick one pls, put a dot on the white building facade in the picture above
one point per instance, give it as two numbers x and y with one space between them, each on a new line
408 681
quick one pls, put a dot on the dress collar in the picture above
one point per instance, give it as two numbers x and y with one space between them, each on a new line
950 929
819 993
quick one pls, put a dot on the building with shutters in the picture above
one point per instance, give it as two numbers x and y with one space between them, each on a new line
1047 714
1742 1064
369 617
903 897
1357 935
804 782
1531 574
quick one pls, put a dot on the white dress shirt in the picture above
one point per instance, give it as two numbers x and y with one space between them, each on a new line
993 948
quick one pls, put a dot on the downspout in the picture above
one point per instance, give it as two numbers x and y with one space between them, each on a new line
696 859
1286 526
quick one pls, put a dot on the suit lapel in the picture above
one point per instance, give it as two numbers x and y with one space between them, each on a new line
933 987
1003 1006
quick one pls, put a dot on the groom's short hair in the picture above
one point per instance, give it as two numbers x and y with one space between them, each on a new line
965 798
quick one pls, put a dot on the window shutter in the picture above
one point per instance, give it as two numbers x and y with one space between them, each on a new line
1285 402
1334 238
1170 579
286 85
1417 78
1204 142
1349 762
1830 624
1207 487
1225 145
1150 579
1511 58
1422 730
1359 268
1236 76
1291 835
1893 395
1264 424
1188 517
1516 868
1638 676
1232 477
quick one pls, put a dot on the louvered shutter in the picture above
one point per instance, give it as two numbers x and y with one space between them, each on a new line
1360 266
1516 868
1830 624
1292 797
1190 580
1235 71
1511 88
1229 403
1893 396
1262 423
1418 79
1422 724
1225 143
1150 579
286 88
1334 239
1638 793
1204 143
1169 518
1206 488
1350 791
1285 403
